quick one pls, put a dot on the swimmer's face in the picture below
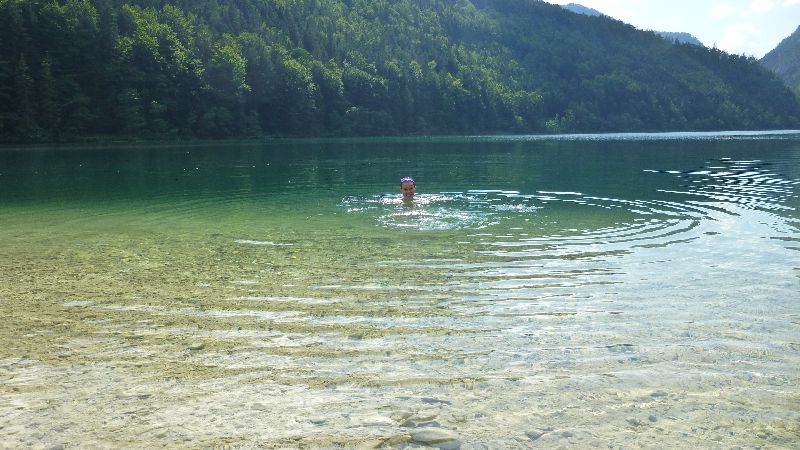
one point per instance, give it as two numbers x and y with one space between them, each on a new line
408 189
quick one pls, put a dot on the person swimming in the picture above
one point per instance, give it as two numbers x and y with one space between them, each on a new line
408 187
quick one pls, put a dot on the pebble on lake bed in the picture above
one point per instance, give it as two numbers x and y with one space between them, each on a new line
420 418
436 437
634 421
376 421
534 434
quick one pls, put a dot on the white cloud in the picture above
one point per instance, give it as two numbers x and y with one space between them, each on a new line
721 11
790 2
625 15
762 6
740 38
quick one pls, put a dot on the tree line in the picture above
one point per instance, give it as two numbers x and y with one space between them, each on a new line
72 69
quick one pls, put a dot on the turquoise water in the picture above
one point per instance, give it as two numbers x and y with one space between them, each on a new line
594 290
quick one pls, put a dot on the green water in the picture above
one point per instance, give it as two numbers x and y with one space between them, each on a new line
614 290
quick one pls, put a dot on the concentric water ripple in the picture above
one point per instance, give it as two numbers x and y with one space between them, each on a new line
516 253
749 184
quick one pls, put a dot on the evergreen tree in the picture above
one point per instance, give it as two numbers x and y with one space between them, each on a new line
49 114
130 112
6 95
24 121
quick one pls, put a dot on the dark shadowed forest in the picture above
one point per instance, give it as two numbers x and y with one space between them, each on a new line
79 69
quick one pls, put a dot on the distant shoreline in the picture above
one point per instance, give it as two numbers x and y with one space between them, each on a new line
655 135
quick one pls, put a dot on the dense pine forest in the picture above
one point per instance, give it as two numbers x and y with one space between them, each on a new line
76 69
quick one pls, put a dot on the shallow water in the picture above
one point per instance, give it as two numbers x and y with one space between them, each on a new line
599 290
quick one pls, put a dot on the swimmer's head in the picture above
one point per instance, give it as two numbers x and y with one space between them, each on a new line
408 188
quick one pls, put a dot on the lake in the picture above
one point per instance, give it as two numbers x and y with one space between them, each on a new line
632 290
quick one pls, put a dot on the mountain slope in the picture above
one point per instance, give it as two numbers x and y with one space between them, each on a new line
784 60
680 37
211 69
580 9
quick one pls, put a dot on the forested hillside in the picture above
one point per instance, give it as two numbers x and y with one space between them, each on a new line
234 68
784 60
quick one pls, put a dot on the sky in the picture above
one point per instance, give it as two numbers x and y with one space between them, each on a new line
742 27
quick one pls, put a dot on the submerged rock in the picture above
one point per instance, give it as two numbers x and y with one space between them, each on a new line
634 421
397 439
436 437
435 401
534 434
370 444
376 421
425 416
421 418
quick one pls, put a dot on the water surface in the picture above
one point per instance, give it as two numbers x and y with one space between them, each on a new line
594 290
